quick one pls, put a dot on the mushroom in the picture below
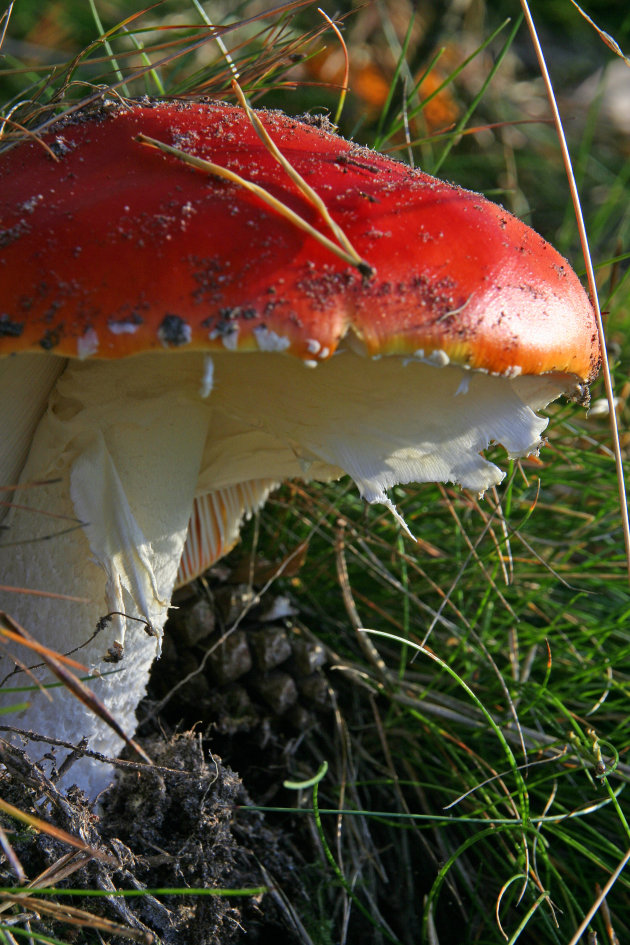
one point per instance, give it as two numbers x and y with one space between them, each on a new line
171 344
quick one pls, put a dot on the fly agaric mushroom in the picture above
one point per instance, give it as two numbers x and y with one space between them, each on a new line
170 338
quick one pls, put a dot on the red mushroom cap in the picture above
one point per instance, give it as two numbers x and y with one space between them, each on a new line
116 248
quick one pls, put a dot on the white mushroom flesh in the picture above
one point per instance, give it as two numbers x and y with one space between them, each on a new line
131 443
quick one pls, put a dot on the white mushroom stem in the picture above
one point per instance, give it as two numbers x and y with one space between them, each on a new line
125 447
25 384
132 442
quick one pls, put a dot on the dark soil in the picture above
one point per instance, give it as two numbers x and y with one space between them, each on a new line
183 824
169 827
241 686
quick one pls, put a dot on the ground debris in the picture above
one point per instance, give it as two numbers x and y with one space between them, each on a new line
169 828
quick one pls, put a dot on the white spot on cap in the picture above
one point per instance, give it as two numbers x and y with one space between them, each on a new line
435 358
312 345
87 344
268 340
439 358
230 338
228 335
514 371
123 328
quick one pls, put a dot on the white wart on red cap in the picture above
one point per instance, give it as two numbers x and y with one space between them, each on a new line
161 320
